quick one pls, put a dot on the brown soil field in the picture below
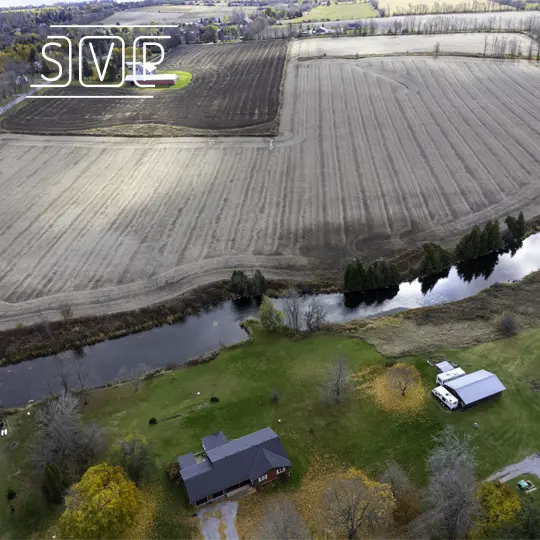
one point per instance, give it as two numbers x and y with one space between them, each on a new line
212 101
376 156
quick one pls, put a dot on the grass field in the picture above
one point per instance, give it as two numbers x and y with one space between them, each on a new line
337 12
358 433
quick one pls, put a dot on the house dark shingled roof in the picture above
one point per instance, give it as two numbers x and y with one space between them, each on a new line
232 463
214 440
476 386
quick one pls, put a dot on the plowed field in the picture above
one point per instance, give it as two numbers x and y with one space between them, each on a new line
376 156
234 86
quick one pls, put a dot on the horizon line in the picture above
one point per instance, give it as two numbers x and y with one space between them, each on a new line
113 26
89 97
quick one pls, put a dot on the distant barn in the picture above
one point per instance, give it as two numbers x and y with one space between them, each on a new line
475 387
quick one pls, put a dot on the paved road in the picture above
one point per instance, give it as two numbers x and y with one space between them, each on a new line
530 465
18 99
218 521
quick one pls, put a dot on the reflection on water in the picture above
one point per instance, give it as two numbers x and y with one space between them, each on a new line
219 325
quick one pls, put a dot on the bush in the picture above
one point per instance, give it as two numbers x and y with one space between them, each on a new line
214 399
152 421
389 362
271 318
173 470
10 494
135 456
52 484
274 396
507 325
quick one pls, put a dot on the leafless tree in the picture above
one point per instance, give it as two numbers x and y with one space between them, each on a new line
83 377
450 497
282 521
404 491
437 49
292 310
354 507
314 315
60 378
63 440
338 382
403 377
67 312
134 375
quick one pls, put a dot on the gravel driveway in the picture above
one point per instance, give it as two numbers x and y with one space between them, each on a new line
218 521
530 465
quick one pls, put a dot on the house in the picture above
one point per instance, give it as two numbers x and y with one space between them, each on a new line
227 466
146 74
475 387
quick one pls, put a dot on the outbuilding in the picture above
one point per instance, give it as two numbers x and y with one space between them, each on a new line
444 366
475 387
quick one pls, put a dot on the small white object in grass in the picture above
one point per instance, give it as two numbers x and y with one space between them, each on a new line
28 413
198 393
279 420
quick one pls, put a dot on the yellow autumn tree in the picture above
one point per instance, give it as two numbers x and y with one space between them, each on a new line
357 506
101 505
499 505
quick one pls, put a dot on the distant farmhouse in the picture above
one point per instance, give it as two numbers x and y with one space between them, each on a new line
147 74
226 468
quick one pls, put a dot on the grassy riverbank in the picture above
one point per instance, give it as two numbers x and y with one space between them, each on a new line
358 433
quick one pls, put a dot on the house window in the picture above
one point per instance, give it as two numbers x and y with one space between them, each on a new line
263 478
280 470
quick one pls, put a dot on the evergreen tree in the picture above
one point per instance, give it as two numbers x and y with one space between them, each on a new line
436 260
349 279
240 284
492 236
258 284
86 69
52 484
521 227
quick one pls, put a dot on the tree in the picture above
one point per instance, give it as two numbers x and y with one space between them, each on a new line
338 382
314 315
52 483
136 458
469 247
101 505
521 227
492 236
281 520
403 377
405 493
63 440
499 505
258 284
526 525
86 69
436 259
292 309
239 284
450 497
271 318
507 325
356 505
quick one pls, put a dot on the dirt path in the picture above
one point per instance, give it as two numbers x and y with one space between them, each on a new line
530 465
218 521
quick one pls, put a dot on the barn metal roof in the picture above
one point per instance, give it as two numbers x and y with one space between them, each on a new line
476 386
214 440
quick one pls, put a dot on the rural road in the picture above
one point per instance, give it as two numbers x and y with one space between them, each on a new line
218 521
530 465
17 100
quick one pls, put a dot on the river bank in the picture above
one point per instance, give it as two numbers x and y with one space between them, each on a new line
52 337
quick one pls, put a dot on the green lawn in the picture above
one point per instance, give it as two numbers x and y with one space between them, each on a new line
184 78
532 478
357 433
337 12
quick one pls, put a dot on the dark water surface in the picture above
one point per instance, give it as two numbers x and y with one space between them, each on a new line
198 334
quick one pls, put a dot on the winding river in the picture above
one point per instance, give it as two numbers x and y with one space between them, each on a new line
199 334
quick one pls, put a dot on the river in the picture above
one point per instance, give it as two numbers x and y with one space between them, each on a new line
122 358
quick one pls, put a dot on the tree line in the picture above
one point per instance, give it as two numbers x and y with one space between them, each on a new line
380 274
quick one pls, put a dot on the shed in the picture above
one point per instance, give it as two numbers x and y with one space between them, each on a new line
475 387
